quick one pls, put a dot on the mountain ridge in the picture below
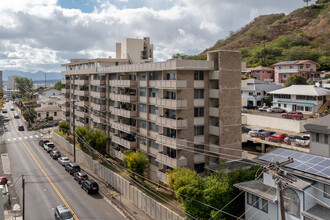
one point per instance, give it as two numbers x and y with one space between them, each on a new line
37 76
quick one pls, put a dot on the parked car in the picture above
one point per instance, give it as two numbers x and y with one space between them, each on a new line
249 106
16 115
267 148
264 108
55 154
264 134
245 129
277 137
291 138
276 109
12 109
6 118
255 132
72 168
80 176
304 141
90 186
3 180
21 128
49 147
43 141
293 115
245 110
4 110
63 161
49 124
63 213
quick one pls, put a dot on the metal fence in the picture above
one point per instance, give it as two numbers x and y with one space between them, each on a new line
153 208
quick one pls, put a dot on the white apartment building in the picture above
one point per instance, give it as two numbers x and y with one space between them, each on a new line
135 50
179 112
11 82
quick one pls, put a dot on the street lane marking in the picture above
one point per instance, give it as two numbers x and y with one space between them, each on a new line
31 137
43 171
20 138
8 139
14 139
36 136
25 137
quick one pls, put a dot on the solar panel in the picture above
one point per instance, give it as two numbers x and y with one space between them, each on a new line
301 161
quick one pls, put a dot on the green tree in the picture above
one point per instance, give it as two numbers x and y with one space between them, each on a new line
135 162
1 93
30 115
295 79
81 133
324 62
322 1
182 56
307 1
59 85
16 95
24 85
64 126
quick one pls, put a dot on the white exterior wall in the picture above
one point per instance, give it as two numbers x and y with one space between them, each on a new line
245 95
49 93
51 114
320 148
293 99
257 214
11 82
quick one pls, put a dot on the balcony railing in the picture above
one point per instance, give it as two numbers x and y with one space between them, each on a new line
123 112
287 70
81 82
79 123
98 94
118 154
122 127
98 107
213 111
214 93
171 162
214 130
174 143
82 92
172 123
125 143
64 90
98 119
123 83
82 103
123 98
81 114
171 84
98 82
171 103
162 176
65 81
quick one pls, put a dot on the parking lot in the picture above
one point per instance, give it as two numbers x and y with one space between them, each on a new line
269 114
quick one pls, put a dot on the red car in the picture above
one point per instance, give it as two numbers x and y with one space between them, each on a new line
294 115
3 180
277 137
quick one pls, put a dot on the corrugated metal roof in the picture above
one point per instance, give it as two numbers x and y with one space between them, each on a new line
309 90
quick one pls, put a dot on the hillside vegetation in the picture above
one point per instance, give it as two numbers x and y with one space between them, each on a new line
304 34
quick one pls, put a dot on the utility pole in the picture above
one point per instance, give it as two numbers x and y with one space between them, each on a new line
23 200
281 179
74 131
45 80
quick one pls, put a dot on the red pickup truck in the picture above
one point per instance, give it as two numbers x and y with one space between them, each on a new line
277 137
294 115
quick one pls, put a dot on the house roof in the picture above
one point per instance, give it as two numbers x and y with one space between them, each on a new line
295 62
47 89
51 99
48 108
317 212
260 68
257 187
309 90
258 85
320 125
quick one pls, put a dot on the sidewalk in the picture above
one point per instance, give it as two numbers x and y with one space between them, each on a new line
120 203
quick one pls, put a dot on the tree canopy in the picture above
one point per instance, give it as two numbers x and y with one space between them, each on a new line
30 115
95 138
295 79
24 85
59 85
182 56
64 126
135 162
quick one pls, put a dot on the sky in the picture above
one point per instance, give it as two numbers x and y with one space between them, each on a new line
43 34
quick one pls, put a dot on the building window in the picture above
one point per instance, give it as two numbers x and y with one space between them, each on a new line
279 105
280 67
199 167
55 113
291 202
198 75
199 112
317 137
143 108
285 75
300 108
327 191
170 76
143 76
153 76
291 67
198 93
143 124
143 141
39 115
153 92
199 148
308 65
282 96
153 161
198 130
326 140
143 91
258 93
284 105
251 93
154 145
257 202
153 127
301 66
47 114
308 109
153 109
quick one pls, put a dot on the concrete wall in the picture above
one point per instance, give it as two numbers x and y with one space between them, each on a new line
140 199
277 123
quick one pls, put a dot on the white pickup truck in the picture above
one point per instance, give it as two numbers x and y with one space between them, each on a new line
303 141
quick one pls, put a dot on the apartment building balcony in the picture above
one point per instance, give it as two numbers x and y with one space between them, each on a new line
214 74
65 81
174 143
213 111
123 112
98 82
64 90
118 154
123 98
162 176
215 130
82 103
288 70
98 95
82 92
81 82
81 114
81 124
214 93
179 123
122 127
123 83
171 162
65 108
98 119
123 142
98 107
171 103
171 84
79 71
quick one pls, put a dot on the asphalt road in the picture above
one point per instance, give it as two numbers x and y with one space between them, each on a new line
47 183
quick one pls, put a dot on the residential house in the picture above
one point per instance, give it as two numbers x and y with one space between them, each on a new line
50 107
305 98
306 198
320 136
48 92
172 111
256 90
262 73
305 68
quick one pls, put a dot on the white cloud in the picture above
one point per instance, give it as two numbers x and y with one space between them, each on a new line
36 34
